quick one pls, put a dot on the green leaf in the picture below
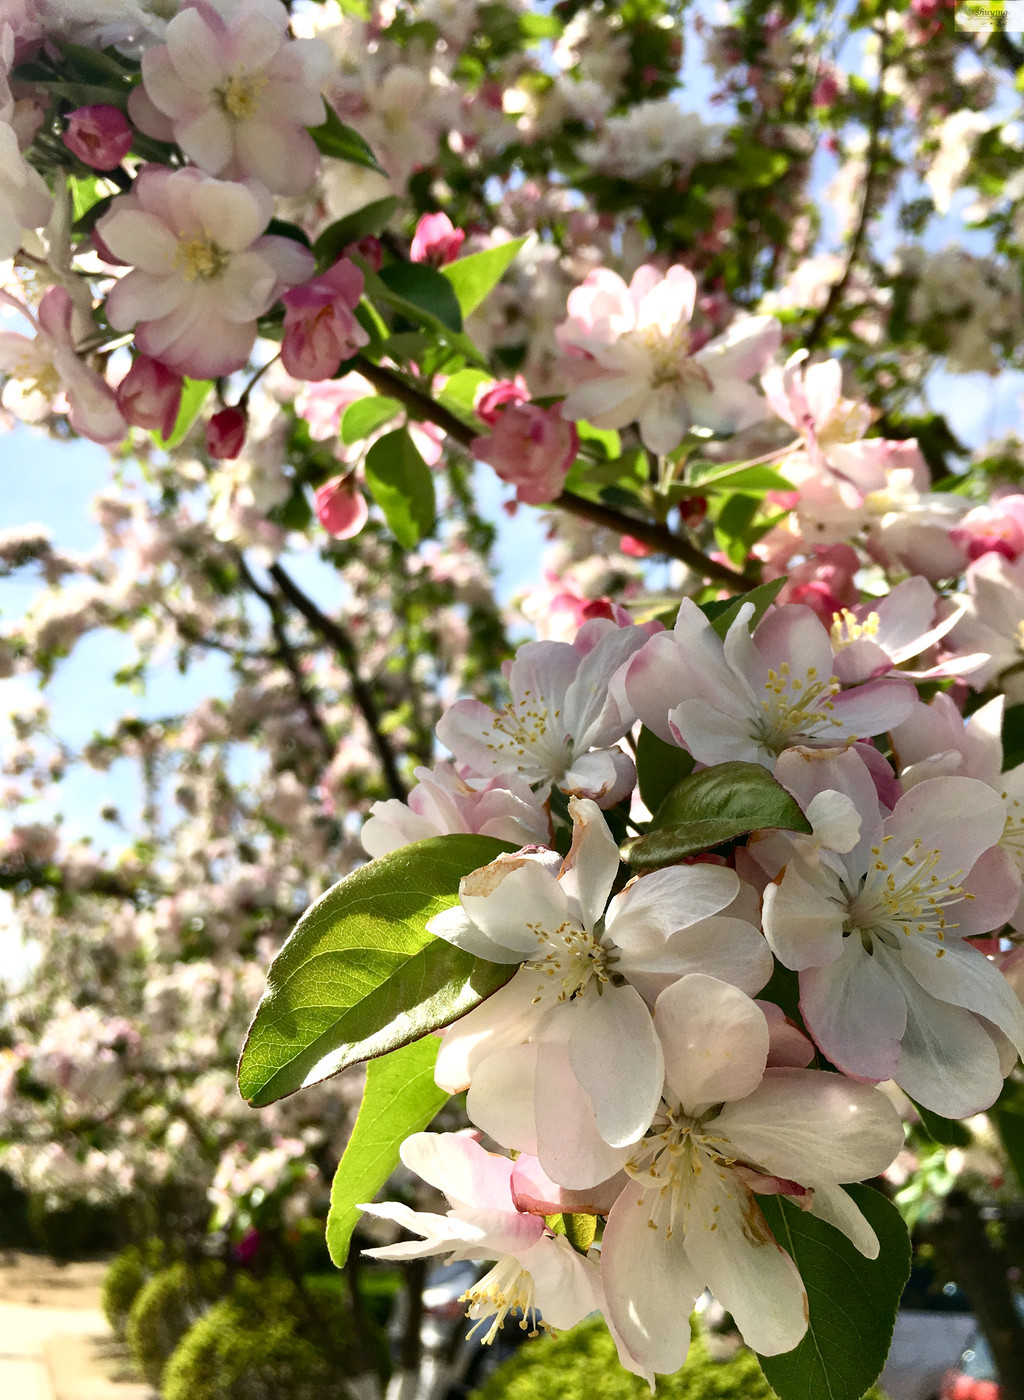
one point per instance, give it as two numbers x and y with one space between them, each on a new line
194 394
1008 1115
852 1300
368 221
400 1098
473 278
423 288
365 416
659 767
734 523
334 138
607 440
283 229
741 478
460 391
360 976
723 613
715 805
402 485
579 1230
947 1132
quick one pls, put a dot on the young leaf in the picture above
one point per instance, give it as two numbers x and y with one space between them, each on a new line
659 767
474 277
365 416
401 484
194 394
400 1098
371 219
852 1300
360 976
715 805
460 391
723 613
334 138
423 288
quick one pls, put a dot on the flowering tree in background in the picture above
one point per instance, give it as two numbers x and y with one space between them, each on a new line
712 833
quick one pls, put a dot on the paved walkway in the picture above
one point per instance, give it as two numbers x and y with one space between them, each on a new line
54 1340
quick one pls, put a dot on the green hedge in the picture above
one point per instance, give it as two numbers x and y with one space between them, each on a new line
165 1308
582 1365
270 1341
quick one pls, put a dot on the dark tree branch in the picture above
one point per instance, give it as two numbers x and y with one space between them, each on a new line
657 537
333 633
876 123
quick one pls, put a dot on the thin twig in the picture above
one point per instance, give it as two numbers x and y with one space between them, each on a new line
338 638
876 119
657 537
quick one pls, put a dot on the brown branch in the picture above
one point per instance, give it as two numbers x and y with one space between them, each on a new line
657 537
876 120
333 633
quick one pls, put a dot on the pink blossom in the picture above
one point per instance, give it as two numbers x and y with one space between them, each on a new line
436 240
149 395
99 136
824 581
45 370
201 274
236 93
532 448
630 355
497 396
997 526
319 328
341 507
225 433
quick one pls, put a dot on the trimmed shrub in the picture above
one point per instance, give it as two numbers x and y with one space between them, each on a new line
269 1342
165 1308
582 1365
122 1283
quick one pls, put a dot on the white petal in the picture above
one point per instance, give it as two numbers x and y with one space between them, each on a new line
517 902
570 1148
715 1040
616 1056
592 863
657 905
855 1012
567 1287
833 1205
508 1018
456 927
803 924
457 1165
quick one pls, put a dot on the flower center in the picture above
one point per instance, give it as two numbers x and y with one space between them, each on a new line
200 259
796 708
903 895
848 423
668 357
572 960
505 1288
847 629
239 97
1012 839
527 724
670 1162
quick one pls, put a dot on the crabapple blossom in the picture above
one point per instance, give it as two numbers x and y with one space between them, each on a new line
537 1274
993 623
871 638
149 396
98 135
579 998
752 697
997 525
341 507
201 274
236 93
225 433
45 369
728 1130
436 241
443 801
568 709
319 328
532 448
878 929
629 355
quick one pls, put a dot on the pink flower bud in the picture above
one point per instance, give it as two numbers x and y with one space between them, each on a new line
496 398
341 507
225 433
370 250
320 329
100 136
436 240
635 548
149 396
532 448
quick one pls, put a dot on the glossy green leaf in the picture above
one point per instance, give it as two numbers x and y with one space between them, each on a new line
474 277
400 1098
423 289
579 1230
334 138
459 392
366 222
402 485
723 613
193 396
365 416
852 1300
741 478
713 806
659 767
360 976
